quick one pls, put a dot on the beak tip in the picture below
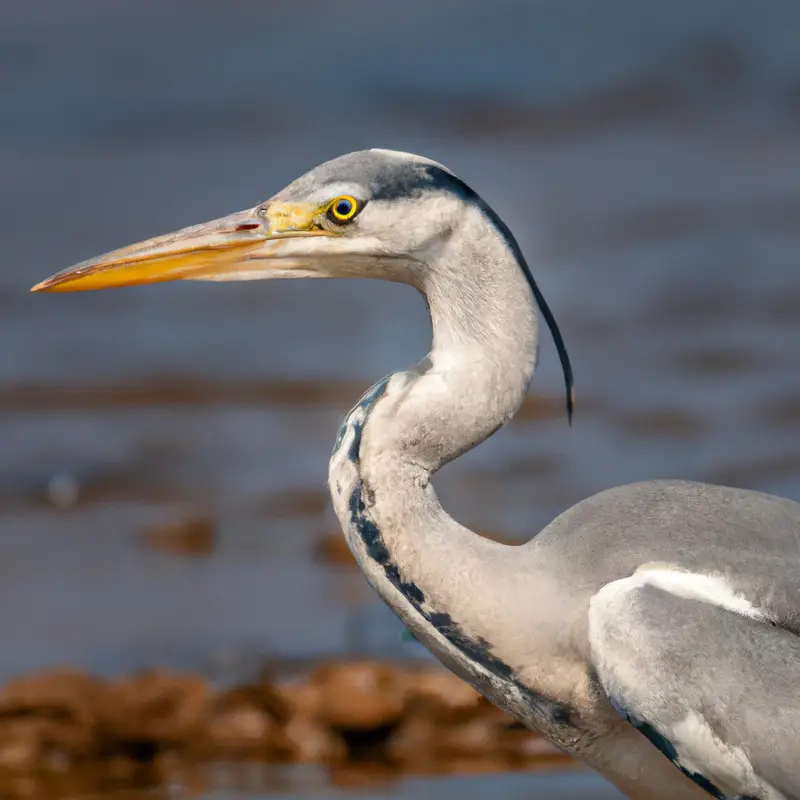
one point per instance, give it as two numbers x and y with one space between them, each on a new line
43 286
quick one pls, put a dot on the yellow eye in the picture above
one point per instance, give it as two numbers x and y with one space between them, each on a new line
343 208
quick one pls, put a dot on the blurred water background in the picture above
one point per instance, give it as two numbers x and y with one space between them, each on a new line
647 157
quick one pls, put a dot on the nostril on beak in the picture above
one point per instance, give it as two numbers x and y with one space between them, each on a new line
247 226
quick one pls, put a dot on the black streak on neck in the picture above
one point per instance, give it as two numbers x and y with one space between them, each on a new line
479 651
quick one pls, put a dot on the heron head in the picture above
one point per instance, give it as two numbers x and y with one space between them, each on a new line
373 213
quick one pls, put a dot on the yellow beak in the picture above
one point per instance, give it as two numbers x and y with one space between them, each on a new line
201 252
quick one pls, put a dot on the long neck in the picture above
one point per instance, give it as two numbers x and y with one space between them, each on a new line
436 574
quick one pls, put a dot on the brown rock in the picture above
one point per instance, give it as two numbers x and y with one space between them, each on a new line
300 697
359 695
38 743
193 535
424 719
262 694
50 716
310 742
247 720
158 708
422 742
68 690
413 744
243 729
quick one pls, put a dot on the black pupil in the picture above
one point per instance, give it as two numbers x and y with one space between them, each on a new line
344 207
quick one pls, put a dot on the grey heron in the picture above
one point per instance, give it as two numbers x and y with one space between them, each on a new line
652 623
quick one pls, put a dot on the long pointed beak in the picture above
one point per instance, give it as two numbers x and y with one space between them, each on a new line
201 252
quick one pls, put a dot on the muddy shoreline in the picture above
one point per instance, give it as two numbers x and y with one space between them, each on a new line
365 719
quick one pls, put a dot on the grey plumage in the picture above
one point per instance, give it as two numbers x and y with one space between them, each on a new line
649 624
715 690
